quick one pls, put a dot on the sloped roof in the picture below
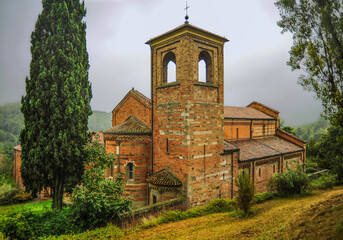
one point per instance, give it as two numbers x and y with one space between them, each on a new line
262 105
131 126
229 147
264 147
164 178
187 28
244 113
145 100
17 148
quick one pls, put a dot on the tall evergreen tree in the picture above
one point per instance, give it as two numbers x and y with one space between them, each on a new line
57 102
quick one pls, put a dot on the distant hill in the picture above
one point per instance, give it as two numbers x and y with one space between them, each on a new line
99 121
12 122
312 130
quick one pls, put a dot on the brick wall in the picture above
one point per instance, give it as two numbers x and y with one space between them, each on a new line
131 106
188 115
137 152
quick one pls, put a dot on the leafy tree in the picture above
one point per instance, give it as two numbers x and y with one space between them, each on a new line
330 153
246 191
56 106
98 200
290 130
317 28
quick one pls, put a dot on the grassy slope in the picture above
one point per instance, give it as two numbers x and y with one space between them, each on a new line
311 217
25 206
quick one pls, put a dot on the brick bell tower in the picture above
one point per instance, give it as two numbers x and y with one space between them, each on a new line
188 115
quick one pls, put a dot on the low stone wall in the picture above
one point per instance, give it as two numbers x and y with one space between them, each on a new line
136 217
317 174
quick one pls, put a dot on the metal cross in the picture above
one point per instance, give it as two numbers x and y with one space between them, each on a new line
186 8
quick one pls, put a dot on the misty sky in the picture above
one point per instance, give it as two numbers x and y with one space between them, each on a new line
255 57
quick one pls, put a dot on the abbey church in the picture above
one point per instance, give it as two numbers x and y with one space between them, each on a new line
183 141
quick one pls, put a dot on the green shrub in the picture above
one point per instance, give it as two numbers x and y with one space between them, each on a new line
7 192
22 197
173 216
262 197
219 205
98 200
327 180
289 183
246 190
33 224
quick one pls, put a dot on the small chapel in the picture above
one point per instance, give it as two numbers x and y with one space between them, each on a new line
183 141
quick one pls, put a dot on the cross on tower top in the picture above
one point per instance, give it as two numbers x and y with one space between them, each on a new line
186 17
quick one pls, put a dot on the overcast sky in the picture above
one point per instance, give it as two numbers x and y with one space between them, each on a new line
255 57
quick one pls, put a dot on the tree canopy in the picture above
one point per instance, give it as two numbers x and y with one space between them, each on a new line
317 28
57 101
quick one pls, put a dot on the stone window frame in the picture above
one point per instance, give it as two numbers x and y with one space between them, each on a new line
169 56
130 171
206 56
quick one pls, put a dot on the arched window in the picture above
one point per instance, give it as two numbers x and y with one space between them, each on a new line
130 170
202 71
169 68
205 67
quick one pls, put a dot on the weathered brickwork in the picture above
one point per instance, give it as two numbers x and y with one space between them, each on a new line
188 115
184 141
137 152
132 105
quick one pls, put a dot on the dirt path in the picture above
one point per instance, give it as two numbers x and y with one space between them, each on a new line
276 219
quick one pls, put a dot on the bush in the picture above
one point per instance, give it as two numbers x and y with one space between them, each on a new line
246 190
98 200
219 205
327 180
34 224
21 197
7 192
262 197
289 183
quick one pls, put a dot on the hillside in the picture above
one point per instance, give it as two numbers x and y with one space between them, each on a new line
316 216
312 130
12 121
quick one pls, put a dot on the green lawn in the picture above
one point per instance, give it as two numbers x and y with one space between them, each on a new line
39 205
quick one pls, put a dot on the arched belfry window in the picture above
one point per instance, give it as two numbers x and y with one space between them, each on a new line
205 67
169 68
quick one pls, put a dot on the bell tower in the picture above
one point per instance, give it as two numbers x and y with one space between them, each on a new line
188 114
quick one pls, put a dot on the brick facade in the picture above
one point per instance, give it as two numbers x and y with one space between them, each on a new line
184 142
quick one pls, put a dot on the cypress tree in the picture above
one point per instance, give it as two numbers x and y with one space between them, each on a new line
57 101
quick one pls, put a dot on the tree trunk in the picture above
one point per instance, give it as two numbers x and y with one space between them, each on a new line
58 193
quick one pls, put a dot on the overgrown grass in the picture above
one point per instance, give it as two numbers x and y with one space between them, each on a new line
326 181
33 206
109 232
215 206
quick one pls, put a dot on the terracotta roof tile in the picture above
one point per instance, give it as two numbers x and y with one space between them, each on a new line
280 144
164 178
18 147
264 147
228 147
244 113
131 126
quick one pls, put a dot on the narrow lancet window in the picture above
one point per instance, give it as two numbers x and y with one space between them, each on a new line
202 71
130 170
